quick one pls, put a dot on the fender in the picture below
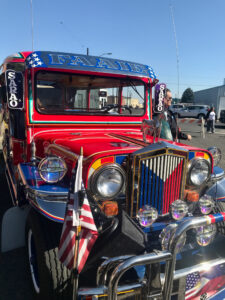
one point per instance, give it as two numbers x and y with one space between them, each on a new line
13 228
217 190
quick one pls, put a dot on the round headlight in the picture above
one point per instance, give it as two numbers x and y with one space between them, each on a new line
205 234
167 234
206 204
147 215
216 154
52 169
178 209
108 181
199 171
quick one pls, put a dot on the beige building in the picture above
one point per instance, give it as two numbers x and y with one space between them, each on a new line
126 101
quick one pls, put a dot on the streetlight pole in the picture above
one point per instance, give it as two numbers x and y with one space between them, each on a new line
108 53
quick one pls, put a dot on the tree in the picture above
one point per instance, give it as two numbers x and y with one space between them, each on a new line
188 96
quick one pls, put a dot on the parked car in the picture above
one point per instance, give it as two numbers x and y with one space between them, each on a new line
154 203
194 111
222 116
176 108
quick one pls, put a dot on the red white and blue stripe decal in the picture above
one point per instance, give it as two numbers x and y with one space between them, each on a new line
216 218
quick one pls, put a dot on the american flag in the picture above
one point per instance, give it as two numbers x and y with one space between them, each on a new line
203 285
88 234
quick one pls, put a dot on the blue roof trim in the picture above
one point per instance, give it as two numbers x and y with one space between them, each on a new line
81 62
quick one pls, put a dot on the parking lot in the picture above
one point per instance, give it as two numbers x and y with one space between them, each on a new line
217 139
13 278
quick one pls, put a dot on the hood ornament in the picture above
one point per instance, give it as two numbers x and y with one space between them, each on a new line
157 128
151 128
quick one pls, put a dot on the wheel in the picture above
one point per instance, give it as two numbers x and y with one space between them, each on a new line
49 278
201 116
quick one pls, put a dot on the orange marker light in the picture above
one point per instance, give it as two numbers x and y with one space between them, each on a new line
191 196
110 208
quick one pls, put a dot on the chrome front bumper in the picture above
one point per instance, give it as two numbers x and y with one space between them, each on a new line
155 285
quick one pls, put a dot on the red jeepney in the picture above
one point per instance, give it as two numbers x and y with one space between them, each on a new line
157 204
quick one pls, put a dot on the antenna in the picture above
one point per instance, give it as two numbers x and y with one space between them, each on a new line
177 52
33 146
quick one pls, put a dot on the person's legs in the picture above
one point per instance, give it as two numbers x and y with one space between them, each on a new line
213 126
208 125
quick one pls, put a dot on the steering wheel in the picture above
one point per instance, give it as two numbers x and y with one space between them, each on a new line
117 106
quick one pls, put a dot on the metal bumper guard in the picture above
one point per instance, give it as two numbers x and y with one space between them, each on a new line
155 285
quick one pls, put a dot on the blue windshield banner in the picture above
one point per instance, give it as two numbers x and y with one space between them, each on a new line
43 59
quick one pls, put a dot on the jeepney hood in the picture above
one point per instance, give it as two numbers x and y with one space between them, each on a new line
94 144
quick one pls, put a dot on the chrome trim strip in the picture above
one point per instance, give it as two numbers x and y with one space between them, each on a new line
198 268
34 195
102 290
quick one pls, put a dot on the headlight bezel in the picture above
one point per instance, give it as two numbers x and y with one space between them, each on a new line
191 166
62 170
95 176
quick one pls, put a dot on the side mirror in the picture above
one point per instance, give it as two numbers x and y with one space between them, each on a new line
14 89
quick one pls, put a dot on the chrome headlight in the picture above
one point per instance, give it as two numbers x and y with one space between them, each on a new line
108 181
216 154
147 215
205 234
52 169
167 234
179 209
199 171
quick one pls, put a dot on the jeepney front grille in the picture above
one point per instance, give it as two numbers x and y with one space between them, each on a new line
158 180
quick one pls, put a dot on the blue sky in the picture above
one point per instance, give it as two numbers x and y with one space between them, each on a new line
140 31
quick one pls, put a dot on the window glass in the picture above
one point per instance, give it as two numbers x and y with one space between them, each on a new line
60 93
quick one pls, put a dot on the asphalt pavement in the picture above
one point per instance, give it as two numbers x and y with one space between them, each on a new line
211 139
14 284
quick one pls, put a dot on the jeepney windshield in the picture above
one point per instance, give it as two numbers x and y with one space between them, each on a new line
61 93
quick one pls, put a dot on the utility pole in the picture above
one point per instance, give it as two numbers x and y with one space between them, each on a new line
177 52
87 51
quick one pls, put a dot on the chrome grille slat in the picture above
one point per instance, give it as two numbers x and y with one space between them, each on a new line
160 181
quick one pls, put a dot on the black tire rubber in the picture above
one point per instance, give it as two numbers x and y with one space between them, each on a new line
201 116
54 278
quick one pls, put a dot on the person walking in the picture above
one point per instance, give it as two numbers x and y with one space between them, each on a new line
171 119
211 121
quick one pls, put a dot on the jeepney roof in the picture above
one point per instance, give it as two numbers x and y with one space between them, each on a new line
60 60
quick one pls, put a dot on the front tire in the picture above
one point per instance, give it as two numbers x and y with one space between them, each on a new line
201 116
49 278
